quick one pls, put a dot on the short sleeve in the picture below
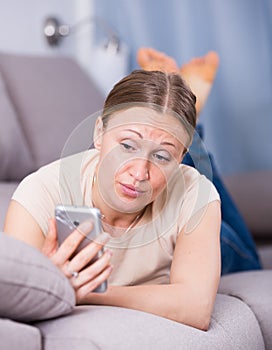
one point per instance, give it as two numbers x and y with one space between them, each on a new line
65 181
38 193
198 194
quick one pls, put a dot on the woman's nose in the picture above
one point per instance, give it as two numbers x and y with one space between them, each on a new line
140 169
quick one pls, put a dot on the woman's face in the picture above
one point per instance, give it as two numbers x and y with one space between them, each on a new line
139 151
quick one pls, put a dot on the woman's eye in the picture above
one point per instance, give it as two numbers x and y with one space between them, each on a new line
162 157
128 146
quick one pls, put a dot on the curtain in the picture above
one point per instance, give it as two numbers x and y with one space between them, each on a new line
237 118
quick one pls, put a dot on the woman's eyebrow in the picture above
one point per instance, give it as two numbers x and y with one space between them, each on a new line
135 132
166 143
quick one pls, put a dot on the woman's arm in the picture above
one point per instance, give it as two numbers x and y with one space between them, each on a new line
194 278
20 224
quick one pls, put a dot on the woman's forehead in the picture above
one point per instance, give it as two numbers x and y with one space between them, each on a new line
148 120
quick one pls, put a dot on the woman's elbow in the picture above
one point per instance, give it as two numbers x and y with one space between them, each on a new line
198 316
203 324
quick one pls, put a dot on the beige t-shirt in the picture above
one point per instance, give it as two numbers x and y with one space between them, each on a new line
144 254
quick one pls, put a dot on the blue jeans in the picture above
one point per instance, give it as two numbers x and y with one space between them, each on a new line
238 250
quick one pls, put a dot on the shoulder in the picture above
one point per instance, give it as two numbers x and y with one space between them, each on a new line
187 182
197 184
189 192
189 174
46 174
75 164
54 183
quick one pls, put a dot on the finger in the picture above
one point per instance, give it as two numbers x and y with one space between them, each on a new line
50 243
88 253
70 244
93 284
92 271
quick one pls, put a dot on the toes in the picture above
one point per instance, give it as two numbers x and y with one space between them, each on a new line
151 59
212 58
143 56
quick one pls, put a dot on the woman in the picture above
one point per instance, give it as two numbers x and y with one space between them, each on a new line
163 218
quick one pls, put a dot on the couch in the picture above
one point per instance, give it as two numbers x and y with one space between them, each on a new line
42 100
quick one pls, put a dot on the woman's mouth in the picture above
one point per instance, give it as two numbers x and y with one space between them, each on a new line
131 190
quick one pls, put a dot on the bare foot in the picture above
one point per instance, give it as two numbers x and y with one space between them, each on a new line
150 59
199 73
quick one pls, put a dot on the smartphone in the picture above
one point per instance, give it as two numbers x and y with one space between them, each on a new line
69 217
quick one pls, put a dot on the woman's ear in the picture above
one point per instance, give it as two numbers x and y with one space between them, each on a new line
98 133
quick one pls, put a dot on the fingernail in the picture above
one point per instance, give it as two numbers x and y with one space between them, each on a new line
103 238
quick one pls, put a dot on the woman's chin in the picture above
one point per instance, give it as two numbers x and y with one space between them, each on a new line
127 205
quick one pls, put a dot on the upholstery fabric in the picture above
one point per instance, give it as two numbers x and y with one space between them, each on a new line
16 160
252 192
31 286
233 326
14 335
254 288
46 115
6 191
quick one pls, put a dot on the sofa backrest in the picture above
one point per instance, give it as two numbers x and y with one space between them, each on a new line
252 193
42 100
15 157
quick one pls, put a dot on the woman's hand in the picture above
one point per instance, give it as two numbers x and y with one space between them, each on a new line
83 278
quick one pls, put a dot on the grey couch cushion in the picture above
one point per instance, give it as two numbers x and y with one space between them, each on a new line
31 286
14 335
15 157
255 289
233 326
51 95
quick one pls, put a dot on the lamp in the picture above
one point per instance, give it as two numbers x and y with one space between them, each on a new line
106 63
55 32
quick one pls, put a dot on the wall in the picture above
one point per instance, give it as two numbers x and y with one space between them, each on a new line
21 25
